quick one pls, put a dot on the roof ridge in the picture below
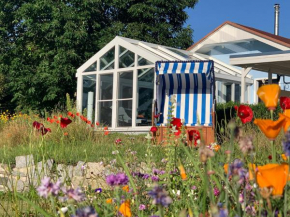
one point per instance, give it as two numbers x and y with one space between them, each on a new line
275 38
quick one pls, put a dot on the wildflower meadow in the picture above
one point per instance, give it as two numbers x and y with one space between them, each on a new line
244 173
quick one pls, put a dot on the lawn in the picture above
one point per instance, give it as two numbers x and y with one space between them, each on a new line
245 175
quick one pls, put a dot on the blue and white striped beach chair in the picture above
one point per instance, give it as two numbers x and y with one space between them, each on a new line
192 84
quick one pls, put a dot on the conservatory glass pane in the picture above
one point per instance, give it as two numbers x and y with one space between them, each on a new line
92 67
107 61
143 62
89 91
126 58
106 87
105 113
145 96
237 92
125 86
124 113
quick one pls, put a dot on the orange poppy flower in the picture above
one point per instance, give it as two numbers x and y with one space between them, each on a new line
274 176
105 128
65 134
286 114
182 172
269 94
270 128
126 188
284 157
217 147
106 133
125 209
109 201
226 167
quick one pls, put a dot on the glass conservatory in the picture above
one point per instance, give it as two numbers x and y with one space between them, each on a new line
116 87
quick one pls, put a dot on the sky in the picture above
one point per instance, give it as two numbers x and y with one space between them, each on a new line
209 14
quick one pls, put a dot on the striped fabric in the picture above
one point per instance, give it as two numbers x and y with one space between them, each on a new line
192 85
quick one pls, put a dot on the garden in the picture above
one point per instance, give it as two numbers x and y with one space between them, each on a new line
69 166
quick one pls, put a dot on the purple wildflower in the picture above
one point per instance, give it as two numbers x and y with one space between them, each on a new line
160 196
223 213
98 190
237 169
142 207
47 187
122 179
155 178
75 194
194 187
216 191
119 179
286 144
110 179
85 212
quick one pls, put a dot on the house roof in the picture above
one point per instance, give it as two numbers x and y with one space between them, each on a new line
275 38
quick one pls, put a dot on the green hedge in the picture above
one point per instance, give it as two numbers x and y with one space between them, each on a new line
226 111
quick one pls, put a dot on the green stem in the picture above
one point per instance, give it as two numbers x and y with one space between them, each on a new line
273 152
285 191
161 211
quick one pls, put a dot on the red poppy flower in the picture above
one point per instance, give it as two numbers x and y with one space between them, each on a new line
153 129
177 133
77 114
194 135
89 122
72 115
65 134
97 123
64 122
54 117
270 157
60 116
105 128
37 125
57 121
45 130
92 125
245 113
106 133
176 122
285 102
157 116
48 119
69 113
52 120
85 119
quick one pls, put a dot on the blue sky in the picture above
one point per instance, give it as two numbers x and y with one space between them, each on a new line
259 14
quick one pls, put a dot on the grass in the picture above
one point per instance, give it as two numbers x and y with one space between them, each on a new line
79 142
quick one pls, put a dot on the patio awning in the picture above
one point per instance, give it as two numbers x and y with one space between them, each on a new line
273 62
192 85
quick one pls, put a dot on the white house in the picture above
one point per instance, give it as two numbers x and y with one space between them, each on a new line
231 40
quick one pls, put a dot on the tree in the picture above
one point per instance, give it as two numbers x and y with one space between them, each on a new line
43 42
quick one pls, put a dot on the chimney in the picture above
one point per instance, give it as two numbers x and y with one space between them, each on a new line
276 24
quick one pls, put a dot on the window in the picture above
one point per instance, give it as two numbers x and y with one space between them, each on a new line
126 58
89 91
237 93
125 97
145 93
92 67
143 62
107 61
105 99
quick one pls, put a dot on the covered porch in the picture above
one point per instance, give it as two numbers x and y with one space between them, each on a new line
269 62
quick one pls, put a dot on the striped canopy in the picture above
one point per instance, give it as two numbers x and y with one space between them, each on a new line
191 83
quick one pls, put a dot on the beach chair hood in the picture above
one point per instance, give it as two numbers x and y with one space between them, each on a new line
191 83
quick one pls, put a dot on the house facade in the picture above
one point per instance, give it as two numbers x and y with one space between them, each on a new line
230 39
